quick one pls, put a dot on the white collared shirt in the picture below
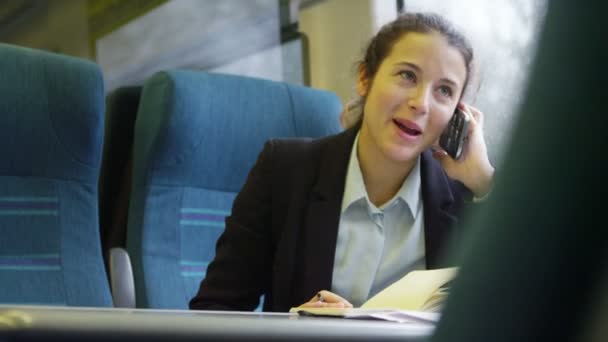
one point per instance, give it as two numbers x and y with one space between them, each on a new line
377 246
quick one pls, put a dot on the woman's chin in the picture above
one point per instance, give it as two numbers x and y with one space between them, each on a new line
401 154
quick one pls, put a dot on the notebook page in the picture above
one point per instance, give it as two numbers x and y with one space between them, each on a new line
412 291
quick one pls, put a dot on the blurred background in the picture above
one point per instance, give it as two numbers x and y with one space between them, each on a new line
309 42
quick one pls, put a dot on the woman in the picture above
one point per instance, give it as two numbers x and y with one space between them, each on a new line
330 222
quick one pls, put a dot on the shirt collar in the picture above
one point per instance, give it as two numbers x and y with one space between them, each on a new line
354 189
410 191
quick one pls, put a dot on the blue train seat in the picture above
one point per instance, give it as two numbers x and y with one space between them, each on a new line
51 131
197 135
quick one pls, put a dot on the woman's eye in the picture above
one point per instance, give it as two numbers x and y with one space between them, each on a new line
408 75
445 91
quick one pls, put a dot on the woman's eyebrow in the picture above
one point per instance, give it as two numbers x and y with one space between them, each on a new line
449 81
411 65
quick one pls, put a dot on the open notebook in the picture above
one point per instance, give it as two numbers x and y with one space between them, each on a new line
417 297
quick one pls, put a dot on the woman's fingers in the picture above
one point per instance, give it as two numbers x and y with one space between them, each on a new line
475 115
327 299
330 297
325 305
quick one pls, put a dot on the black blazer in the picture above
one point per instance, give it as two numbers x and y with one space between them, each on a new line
281 237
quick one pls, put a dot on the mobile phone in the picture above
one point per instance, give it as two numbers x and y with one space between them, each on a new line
454 136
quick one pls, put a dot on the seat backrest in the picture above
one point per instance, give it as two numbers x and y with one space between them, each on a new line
51 129
533 262
197 135
115 174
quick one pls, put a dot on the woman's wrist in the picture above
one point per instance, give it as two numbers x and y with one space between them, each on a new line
483 182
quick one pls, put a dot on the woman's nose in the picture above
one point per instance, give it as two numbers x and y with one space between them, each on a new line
419 100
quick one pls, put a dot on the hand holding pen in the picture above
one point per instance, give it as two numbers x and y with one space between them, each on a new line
326 299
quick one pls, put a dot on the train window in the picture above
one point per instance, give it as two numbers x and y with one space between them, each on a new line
230 36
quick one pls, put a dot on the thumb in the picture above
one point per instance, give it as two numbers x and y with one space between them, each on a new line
441 156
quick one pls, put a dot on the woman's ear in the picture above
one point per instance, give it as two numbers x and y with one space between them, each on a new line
362 81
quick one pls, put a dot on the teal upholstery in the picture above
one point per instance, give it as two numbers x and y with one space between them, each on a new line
533 262
51 128
196 137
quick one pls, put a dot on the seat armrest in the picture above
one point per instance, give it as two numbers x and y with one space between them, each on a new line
121 278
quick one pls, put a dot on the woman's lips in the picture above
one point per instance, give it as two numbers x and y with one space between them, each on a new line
408 129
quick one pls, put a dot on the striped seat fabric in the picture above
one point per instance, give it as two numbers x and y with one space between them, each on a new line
51 127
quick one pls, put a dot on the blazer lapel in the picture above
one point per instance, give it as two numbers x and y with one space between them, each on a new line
323 216
437 197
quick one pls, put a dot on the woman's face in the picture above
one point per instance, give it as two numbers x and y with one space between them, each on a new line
412 96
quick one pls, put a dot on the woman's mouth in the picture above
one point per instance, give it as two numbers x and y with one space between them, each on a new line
408 127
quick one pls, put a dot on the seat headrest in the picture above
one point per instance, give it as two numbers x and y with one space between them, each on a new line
51 106
217 122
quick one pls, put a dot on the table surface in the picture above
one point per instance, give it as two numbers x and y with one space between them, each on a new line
32 323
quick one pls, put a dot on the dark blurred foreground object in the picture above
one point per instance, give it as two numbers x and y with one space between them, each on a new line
534 266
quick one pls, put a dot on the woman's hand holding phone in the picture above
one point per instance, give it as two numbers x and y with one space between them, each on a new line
473 168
